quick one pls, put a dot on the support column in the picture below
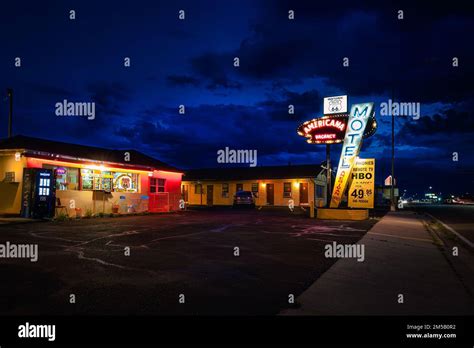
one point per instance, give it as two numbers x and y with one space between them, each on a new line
328 175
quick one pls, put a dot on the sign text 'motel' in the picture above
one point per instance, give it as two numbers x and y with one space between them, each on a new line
360 114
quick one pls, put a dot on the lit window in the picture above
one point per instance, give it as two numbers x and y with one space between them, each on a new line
157 185
225 190
107 181
161 185
125 182
287 190
198 189
153 185
87 179
255 189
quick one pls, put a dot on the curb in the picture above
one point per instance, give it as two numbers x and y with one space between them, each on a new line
464 239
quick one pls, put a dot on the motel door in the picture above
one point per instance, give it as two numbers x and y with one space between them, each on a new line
303 193
185 193
158 199
210 195
270 195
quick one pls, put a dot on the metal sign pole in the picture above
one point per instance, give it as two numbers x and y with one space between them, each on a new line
328 175
392 186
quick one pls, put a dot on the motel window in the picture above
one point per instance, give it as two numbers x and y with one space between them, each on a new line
287 190
161 185
198 189
255 189
157 185
240 187
9 177
225 190
153 185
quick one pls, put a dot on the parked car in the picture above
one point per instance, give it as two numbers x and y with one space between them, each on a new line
244 198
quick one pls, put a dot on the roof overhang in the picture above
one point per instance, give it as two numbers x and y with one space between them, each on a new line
86 162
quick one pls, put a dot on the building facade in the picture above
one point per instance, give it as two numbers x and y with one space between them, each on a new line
271 186
82 180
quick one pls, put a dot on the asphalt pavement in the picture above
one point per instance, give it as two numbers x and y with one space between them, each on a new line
223 262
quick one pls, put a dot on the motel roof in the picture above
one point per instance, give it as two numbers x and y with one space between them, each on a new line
254 173
35 147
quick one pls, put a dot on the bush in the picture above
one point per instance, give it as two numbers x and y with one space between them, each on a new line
62 216
88 214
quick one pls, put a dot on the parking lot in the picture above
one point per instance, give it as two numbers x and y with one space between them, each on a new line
190 253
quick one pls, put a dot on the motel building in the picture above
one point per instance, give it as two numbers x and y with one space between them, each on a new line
43 178
271 186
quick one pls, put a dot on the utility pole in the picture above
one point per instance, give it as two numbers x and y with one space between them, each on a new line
328 174
10 112
392 190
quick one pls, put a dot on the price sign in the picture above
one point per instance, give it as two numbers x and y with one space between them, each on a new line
361 191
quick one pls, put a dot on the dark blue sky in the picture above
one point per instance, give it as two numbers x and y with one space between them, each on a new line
282 62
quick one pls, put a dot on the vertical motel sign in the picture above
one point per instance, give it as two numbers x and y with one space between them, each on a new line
357 122
336 126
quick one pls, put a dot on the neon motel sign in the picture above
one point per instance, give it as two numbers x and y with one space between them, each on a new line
331 129
324 130
357 122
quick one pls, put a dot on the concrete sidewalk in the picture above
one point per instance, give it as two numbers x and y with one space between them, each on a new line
401 257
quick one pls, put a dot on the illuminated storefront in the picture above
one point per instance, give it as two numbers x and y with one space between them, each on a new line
88 179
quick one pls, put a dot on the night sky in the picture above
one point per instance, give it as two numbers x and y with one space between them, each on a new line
282 62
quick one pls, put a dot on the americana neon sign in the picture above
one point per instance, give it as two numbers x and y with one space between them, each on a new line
327 122
331 129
